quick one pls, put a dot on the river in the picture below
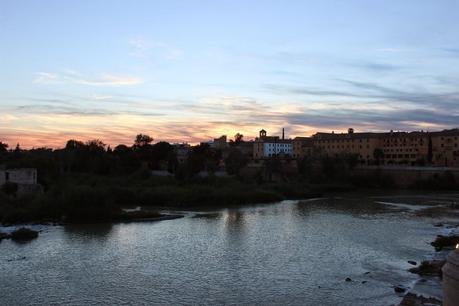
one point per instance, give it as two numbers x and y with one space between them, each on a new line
287 253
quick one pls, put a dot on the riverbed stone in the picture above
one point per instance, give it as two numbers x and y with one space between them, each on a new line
24 234
445 242
429 267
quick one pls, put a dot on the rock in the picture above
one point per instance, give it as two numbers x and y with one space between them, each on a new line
439 224
367 273
4 236
24 234
399 289
412 299
363 282
412 262
348 279
431 268
445 242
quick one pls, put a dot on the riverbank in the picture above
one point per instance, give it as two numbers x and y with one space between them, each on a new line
88 198
427 290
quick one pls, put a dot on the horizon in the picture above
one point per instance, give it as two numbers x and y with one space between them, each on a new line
190 72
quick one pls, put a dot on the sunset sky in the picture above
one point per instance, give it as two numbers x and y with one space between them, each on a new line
192 70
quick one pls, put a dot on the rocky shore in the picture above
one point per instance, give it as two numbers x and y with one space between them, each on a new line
431 269
21 234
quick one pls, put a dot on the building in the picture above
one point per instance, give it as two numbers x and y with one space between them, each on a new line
272 146
394 148
219 143
445 148
26 176
404 148
181 150
361 144
302 146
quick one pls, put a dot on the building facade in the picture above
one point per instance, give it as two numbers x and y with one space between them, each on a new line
445 148
361 144
417 148
26 176
272 146
394 148
302 146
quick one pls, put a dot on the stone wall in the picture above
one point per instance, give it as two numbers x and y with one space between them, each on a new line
406 176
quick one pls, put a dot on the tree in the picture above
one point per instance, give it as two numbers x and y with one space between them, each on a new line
238 138
142 140
73 144
95 146
235 161
3 147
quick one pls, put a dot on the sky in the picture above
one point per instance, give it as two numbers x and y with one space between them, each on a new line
188 71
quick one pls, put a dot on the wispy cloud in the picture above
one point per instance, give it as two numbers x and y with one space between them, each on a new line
73 77
150 49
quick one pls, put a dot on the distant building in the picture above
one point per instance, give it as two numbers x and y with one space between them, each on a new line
25 178
219 143
445 148
408 148
394 148
361 144
271 146
181 150
19 176
302 146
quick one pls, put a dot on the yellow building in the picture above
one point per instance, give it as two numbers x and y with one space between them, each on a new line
302 146
392 148
361 144
445 148
405 148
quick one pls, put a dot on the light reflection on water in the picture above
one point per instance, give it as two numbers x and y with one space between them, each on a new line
286 253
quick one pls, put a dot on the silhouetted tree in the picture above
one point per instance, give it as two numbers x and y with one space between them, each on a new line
73 144
3 147
238 138
142 140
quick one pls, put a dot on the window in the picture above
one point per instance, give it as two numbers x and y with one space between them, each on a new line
7 176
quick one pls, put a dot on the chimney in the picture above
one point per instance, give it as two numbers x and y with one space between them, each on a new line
283 134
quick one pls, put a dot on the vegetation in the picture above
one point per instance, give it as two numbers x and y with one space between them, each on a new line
91 182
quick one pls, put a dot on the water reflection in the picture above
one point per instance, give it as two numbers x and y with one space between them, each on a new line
262 255
98 232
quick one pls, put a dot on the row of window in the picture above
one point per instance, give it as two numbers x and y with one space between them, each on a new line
401 150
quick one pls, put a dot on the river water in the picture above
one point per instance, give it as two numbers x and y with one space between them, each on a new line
288 253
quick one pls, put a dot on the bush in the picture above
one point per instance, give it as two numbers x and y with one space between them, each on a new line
84 204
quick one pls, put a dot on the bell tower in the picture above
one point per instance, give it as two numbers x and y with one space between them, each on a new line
262 133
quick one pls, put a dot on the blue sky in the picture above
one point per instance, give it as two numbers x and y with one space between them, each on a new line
191 70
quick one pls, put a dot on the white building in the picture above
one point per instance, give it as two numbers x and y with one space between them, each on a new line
272 146
277 148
